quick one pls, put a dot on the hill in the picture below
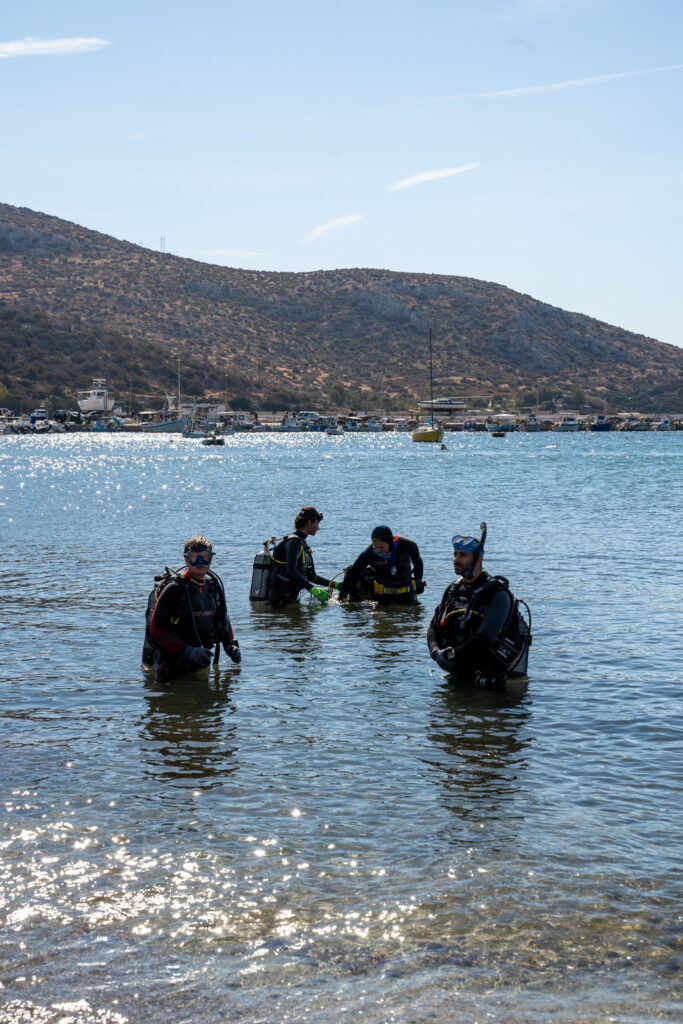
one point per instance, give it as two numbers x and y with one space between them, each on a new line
75 304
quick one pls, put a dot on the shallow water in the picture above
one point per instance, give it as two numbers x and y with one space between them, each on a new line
333 831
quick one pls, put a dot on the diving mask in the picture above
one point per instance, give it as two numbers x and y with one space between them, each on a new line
202 557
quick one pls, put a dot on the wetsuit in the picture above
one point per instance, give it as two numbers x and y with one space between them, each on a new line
187 614
371 574
293 570
466 622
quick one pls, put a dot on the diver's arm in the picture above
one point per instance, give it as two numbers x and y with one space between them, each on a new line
468 655
416 559
320 581
354 572
495 616
435 640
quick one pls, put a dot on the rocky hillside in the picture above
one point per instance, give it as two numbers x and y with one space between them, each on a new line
76 304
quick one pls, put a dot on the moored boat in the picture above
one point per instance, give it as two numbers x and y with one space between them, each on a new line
429 431
98 399
568 424
634 422
600 423
504 422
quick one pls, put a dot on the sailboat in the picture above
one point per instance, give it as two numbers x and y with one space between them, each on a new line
429 431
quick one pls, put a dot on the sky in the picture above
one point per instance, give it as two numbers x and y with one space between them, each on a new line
533 143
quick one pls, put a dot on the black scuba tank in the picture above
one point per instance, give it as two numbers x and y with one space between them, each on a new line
260 575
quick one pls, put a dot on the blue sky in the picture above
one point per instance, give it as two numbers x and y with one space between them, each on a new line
535 143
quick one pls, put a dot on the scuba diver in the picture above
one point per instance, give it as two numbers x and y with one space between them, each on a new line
293 569
389 570
188 615
478 632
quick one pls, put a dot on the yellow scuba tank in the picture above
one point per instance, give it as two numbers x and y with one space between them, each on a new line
260 575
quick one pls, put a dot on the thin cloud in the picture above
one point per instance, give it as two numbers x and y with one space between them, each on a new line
331 225
576 83
419 179
50 47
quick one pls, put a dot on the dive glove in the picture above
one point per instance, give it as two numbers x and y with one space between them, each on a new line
321 594
232 649
444 658
420 586
199 656
335 585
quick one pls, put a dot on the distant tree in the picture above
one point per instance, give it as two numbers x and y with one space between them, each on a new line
337 394
577 396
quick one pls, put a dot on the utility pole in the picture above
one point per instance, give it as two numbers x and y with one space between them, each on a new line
163 244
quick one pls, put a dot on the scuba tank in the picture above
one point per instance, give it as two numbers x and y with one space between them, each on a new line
260 576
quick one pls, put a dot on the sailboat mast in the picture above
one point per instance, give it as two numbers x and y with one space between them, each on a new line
179 385
431 378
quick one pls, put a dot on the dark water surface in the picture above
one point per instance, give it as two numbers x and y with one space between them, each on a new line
332 832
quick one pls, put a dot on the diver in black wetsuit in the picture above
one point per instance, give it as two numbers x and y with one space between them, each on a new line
476 624
294 570
190 616
389 570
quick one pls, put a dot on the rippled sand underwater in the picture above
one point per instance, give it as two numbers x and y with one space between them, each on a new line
333 831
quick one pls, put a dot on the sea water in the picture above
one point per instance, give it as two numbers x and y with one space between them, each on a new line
334 831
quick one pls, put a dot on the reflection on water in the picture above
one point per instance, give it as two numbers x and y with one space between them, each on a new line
188 730
482 739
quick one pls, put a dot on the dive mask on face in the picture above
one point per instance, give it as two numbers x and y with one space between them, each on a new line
202 557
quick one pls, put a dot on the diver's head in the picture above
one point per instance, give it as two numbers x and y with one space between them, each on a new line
198 556
382 540
308 520
468 554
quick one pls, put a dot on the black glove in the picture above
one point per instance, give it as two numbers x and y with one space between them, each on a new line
419 586
444 658
200 657
232 649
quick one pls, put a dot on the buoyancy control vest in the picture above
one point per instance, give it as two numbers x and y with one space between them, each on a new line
304 561
463 610
184 616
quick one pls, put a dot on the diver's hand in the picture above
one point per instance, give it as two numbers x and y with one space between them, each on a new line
232 649
444 658
420 586
335 584
198 656
320 594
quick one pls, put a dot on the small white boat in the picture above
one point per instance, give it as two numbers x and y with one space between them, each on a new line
568 424
370 425
98 399
634 422
288 425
